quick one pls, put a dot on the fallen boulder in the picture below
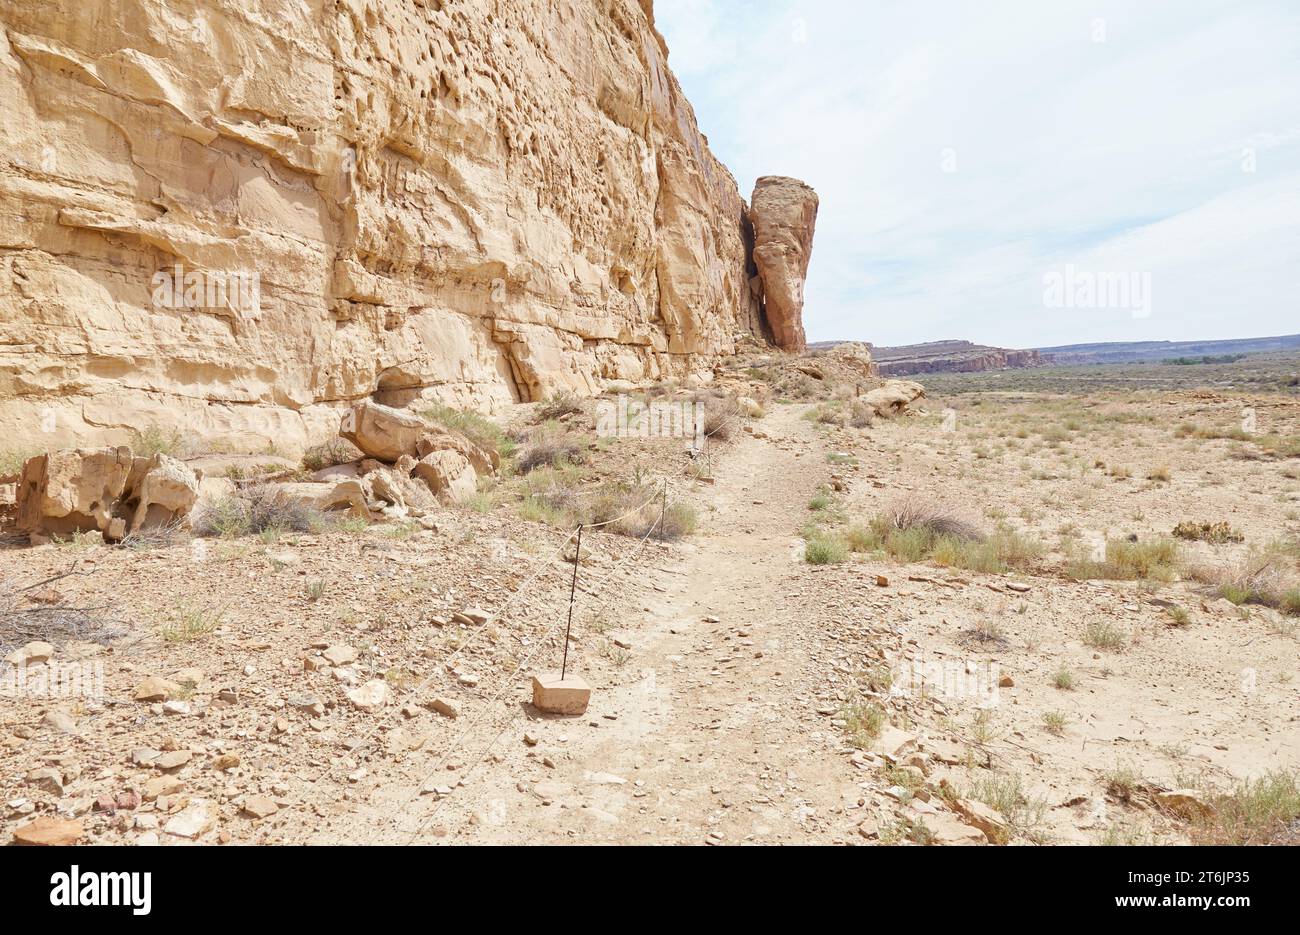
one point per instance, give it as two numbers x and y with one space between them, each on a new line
399 490
448 474
855 357
72 490
105 490
165 494
387 434
354 494
437 438
381 431
894 397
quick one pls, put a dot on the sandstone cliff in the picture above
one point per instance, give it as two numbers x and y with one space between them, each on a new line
472 201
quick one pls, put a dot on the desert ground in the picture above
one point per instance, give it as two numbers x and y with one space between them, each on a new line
970 622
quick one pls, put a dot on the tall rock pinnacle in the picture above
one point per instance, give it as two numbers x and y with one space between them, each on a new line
783 212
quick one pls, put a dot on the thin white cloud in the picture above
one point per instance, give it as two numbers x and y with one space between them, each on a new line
1171 147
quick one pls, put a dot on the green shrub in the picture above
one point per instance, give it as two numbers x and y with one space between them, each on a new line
825 549
1155 560
479 429
156 440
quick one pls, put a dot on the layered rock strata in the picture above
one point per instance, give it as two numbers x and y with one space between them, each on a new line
238 218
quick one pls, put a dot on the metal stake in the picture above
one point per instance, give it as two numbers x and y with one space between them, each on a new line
573 587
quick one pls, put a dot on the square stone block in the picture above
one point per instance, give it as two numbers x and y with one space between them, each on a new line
556 695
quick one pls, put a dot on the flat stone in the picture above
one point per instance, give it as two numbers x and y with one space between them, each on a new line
893 742
985 817
161 786
49 832
173 760
259 806
60 720
191 675
191 821
47 779
444 707
340 655
156 688
34 653
371 696
307 702
949 830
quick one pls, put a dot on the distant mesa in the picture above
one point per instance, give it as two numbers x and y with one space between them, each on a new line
1134 352
946 357
967 357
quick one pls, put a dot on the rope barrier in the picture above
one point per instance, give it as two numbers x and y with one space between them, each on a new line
456 745
447 664
458 742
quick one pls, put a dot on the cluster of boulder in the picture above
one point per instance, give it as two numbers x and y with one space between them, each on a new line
407 466
102 491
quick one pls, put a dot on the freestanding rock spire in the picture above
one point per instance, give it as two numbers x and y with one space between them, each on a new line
783 212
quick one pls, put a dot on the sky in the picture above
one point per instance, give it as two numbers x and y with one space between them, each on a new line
1022 174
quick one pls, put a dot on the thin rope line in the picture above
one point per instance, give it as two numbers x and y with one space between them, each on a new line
446 664
458 742
496 618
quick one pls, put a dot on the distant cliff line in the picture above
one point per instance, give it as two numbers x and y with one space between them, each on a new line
968 357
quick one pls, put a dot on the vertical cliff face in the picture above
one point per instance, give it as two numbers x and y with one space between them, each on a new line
232 216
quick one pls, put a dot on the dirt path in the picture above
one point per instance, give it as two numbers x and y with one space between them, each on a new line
706 739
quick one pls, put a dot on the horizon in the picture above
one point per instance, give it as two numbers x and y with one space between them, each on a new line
1043 347
962 156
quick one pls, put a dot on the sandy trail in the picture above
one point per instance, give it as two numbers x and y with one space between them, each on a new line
705 740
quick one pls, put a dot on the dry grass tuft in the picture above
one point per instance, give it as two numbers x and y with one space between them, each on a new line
560 404
1265 810
1208 532
1269 575
259 509
934 521
548 449
335 451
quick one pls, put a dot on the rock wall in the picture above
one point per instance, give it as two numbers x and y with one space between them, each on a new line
234 217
